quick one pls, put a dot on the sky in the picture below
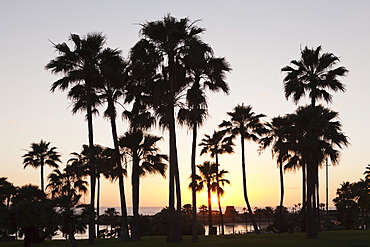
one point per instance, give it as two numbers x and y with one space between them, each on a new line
257 38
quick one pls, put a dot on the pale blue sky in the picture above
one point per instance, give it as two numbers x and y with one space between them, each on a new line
257 38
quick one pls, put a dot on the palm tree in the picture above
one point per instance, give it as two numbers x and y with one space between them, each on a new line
220 183
66 189
248 125
207 178
165 40
39 156
313 74
205 72
113 69
80 69
141 149
216 145
79 165
279 137
318 136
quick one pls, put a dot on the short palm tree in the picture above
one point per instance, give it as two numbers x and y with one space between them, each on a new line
142 151
207 179
215 145
39 156
248 125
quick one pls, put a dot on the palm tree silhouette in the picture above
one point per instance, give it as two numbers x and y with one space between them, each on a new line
216 145
39 156
205 72
80 69
142 151
114 74
248 125
318 135
207 178
164 40
279 137
79 165
313 74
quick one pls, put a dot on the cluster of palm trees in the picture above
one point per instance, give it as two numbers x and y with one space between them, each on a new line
303 139
164 79
164 82
313 133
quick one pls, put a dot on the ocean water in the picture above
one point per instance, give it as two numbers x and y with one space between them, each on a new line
142 210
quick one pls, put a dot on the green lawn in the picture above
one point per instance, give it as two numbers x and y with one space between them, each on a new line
355 238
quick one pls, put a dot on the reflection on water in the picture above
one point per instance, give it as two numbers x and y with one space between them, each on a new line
237 228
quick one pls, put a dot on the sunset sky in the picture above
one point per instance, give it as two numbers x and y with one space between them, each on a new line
257 38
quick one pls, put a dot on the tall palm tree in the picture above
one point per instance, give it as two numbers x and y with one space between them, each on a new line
205 72
314 73
165 40
79 67
39 156
207 179
216 145
248 125
142 151
113 69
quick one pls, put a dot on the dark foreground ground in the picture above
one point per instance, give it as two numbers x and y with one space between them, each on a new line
353 238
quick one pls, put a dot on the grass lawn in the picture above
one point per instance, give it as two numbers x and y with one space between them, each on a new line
355 238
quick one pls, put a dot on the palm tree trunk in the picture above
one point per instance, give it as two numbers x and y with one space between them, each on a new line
135 232
304 197
210 224
256 230
42 176
92 164
174 232
311 217
318 201
280 230
178 231
219 198
97 206
124 225
193 187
